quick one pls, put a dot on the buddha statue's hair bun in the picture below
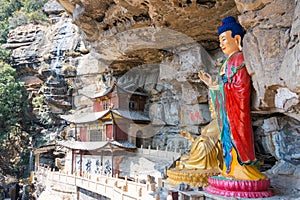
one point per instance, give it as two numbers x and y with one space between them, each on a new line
229 23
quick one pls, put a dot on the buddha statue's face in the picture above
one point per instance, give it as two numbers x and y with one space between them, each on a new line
229 44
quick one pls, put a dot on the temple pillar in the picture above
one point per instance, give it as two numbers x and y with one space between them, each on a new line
36 161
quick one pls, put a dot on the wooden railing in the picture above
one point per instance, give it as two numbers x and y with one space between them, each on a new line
111 187
162 154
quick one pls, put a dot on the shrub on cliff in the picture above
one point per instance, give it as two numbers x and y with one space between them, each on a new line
14 13
13 100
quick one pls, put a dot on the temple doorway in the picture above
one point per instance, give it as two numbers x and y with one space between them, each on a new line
139 139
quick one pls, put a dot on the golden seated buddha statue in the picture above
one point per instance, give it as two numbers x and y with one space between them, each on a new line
204 159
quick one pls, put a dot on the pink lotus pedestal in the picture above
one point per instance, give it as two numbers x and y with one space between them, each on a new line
238 188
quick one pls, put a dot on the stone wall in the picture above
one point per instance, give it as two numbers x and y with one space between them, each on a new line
271 46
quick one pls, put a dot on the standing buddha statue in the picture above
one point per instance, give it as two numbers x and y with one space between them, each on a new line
231 98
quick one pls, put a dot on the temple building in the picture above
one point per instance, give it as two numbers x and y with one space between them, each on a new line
118 115
104 136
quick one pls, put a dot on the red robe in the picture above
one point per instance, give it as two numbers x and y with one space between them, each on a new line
237 99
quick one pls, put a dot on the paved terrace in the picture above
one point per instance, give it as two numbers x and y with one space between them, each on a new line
107 186
64 185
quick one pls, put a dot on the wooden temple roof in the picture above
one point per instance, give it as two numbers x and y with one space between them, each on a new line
129 89
94 116
44 148
84 117
86 146
99 145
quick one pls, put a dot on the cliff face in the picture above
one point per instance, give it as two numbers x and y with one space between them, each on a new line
120 31
98 19
160 46
45 57
271 49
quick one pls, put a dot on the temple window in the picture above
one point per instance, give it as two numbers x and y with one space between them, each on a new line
131 104
95 135
105 105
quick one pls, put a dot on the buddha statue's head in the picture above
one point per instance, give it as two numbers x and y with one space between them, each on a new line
230 35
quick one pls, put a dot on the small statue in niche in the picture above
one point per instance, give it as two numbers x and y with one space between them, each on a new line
101 83
110 79
105 81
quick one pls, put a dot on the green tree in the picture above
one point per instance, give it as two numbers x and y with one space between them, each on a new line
16 157
13 98
13 141
14 13
5 55
33 5
7 8
43 110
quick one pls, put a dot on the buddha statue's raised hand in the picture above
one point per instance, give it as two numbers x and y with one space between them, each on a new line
187 135
207 79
